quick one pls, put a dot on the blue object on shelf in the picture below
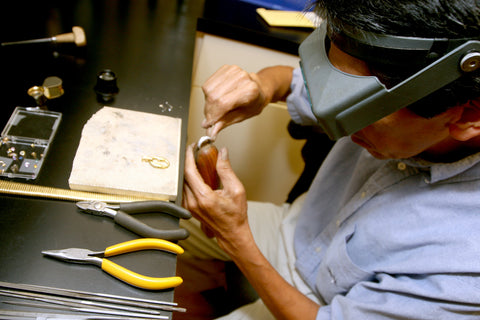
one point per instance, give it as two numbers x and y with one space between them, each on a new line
293 5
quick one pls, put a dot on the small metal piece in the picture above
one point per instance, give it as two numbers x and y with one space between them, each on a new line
37 93
2 163
22 153
13 155
14 168
470 62
204 141
34 155
10 150
165 106
52 87
157 162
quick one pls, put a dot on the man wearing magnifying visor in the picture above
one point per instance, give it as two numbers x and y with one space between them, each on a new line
389 228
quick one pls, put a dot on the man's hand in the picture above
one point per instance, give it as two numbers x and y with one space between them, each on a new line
233 95
223 212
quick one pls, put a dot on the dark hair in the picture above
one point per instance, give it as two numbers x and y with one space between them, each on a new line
413 18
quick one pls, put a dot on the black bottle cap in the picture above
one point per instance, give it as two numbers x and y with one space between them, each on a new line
106 87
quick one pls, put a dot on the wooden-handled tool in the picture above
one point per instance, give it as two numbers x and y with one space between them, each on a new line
206 155
77 36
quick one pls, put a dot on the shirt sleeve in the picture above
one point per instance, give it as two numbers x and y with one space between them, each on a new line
298 103
408 297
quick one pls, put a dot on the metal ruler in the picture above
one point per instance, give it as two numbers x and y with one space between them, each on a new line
31 190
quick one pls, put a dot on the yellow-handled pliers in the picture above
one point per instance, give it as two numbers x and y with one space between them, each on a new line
86 256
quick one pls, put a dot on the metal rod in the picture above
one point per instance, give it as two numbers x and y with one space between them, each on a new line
90 310
18 315
102 297
14 43
78 302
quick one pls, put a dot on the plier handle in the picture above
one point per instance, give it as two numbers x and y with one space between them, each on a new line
122 215
77 255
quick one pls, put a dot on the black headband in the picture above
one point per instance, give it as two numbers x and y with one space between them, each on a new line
393 50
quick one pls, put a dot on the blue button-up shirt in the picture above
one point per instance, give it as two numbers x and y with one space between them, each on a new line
390 239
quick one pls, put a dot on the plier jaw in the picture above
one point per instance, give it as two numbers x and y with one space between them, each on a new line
76 255
98 208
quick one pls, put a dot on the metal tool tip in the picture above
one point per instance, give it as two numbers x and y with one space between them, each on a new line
83 205
52 253
203 141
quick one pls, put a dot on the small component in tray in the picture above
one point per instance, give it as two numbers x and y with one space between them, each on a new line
25 140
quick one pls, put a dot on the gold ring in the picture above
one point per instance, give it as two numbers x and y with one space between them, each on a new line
157 162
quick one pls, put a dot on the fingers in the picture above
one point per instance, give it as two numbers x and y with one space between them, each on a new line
189 199
218 89
231 90
191 204
234 116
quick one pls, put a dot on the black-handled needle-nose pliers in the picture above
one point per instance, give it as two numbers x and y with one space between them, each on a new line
122 215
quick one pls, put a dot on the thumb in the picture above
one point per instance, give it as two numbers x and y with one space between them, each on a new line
224 170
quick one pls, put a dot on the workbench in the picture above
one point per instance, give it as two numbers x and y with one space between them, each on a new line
149 45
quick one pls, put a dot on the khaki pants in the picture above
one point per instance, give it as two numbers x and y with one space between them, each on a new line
273 229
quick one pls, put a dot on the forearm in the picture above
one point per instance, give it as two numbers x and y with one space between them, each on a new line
276 82
282 299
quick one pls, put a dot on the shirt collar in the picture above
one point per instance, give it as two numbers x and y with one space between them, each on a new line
443 171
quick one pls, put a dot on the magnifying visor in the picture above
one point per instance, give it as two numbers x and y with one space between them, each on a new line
344 103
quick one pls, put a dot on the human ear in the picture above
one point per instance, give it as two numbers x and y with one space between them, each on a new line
468 126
